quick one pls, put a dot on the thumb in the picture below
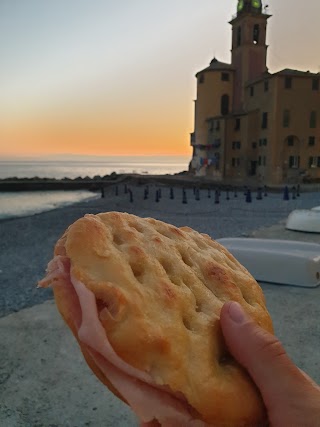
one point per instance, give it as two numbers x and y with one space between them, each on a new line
262 354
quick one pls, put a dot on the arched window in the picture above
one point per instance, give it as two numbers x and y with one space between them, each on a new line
239 36
256 33
224 105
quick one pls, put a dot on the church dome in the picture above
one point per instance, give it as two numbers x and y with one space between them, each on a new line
216 65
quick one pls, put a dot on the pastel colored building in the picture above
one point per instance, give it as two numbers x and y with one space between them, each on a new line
252 126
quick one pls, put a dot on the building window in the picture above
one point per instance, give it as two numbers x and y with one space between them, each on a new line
286 118
225 77
263 142
254 145
251 90
217 143
313 119
264 123
315 84
236 145
313 162
312 140
217 124
266 85
288 82
201 78
290 141
235 162
224 105
259 160
256 33
238 36
237 125
294 162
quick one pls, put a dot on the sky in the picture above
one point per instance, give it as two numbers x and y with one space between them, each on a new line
101 77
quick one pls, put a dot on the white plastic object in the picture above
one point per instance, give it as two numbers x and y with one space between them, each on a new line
284 262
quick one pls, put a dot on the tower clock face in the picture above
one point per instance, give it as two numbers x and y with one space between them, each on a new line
256 3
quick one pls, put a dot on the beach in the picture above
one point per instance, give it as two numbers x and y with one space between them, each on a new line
44 379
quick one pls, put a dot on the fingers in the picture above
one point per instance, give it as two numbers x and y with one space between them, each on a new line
260 353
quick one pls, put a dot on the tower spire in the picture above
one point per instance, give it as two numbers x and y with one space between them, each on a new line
249 49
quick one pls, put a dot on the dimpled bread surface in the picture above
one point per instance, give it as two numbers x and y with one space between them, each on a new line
159 291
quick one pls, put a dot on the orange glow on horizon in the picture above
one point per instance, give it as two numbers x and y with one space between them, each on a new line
117 135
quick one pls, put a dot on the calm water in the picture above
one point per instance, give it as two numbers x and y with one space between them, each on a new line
74 169
29 203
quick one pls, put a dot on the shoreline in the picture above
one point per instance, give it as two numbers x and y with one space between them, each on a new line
58 205
183 179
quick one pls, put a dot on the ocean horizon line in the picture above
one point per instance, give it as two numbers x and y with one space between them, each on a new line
92 158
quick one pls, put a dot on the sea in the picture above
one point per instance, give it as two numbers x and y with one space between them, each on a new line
26 203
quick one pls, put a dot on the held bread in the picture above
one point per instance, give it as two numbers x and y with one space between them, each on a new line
143 299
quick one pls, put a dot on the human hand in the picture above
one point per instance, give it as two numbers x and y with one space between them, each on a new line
291 397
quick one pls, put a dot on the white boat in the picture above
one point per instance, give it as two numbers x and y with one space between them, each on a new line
306 220
283 262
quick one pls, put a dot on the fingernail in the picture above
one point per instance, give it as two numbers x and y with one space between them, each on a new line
236 312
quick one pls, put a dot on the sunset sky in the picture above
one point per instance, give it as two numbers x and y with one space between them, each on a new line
106 77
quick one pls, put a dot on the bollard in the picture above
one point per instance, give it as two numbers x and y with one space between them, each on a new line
197 194
286 193
216 197
157 196
130 195
259 193
171 193
298 190
184 197
145 197
102 192
265 191
248 196
294 192
209 193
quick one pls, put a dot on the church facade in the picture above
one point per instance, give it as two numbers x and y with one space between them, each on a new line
252 126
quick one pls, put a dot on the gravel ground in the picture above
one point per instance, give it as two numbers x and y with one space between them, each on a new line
26 244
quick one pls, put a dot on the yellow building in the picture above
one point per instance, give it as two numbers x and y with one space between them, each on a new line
252 126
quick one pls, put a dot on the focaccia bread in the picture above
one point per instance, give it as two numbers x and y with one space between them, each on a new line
143 298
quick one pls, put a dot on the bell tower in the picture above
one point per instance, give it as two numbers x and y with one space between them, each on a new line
249 49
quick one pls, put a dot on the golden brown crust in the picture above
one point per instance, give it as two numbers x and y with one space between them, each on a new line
159 292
